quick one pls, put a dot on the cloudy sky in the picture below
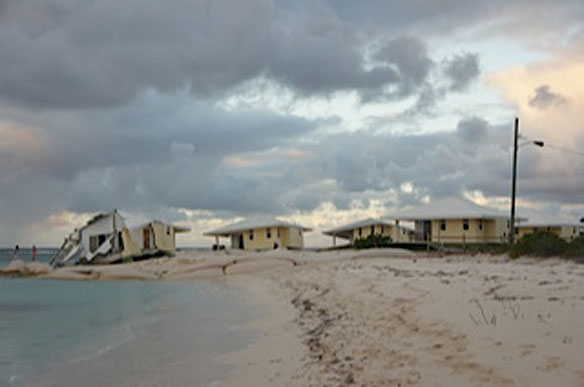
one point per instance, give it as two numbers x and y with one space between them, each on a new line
317 111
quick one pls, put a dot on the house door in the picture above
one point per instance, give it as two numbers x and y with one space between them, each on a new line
146 238
427 230
241 241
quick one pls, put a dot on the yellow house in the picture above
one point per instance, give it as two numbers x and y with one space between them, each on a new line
366 227
261 234
565 230
455 220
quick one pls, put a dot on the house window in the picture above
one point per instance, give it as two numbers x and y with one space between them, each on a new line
443 225
360 232
517 231
372 230
268 233
93 245
382 230
95 241
480 224
278 232
251 235
465 224
167 230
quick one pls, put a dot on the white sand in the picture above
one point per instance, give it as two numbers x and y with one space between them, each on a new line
391 317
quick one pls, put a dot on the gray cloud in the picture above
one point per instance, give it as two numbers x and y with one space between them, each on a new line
461 70
472 130
103 54
149 156
410 59
123 96
544 98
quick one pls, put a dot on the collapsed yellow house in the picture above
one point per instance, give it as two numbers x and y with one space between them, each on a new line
456 221
109 238
366 227
261 234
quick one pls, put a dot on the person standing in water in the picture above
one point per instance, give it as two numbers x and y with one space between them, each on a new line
16 252
34 253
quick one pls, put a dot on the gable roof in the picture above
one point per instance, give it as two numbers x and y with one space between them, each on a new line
251 224
449 208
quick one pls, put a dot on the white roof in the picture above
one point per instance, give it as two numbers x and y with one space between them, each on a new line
449 208
538 219
251 224
134 221
361 223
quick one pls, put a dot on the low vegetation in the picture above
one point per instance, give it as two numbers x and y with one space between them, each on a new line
546 244
371 241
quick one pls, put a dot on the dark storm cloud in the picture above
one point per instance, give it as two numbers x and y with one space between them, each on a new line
71 55
436 162
164 152
123 96
461 70
473 129
544 98
409 57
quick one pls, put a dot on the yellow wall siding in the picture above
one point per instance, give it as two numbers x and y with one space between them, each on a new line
130 247
490 232
501 227
289 237
295 238
565 232
402 234
163 236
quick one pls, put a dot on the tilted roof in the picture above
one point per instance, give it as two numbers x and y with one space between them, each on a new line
251 224
449 208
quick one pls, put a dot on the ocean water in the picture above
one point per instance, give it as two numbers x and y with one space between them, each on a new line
44 254
69 333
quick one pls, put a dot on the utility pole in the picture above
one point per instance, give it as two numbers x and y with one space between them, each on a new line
513 184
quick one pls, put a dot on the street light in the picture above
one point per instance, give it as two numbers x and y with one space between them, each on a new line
514 180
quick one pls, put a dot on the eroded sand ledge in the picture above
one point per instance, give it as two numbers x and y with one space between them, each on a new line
389 317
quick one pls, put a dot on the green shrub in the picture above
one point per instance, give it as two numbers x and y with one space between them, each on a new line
376 240
539 244
576 248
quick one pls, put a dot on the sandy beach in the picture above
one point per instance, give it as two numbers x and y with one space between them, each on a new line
389 317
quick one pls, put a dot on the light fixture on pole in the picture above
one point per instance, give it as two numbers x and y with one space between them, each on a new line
514 178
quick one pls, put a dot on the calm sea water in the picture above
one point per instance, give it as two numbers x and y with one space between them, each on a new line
44 254
110 329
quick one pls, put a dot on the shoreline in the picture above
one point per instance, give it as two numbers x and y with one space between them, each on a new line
389 317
